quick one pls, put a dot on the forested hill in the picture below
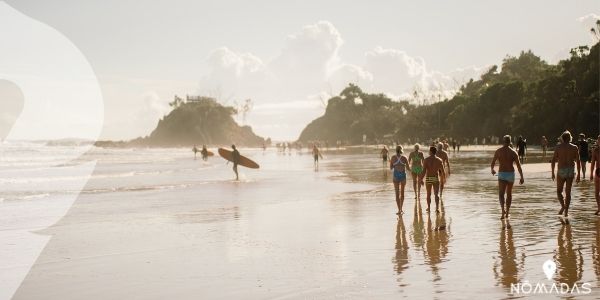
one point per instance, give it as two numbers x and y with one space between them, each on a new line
525 96
200 122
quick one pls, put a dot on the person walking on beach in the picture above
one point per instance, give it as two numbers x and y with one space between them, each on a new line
316 154
204 153
567 156
595 171
522 148
584 153
236 160
458 146
454 146
544 143
415 160
507 158
195 150
443 155
398 164
384 154
433 172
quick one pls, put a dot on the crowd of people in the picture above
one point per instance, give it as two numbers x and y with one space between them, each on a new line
568 164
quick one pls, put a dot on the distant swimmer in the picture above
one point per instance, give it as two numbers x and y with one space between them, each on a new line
236 160
399 163
522 148
443 155
433 172
415 160
507 158
316 155
567 156
584 154
204 153
595 173
544 144
384 154
195 150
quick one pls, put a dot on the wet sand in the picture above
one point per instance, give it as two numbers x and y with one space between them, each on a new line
183 229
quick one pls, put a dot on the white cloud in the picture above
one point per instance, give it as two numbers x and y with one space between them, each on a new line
289 89
589 18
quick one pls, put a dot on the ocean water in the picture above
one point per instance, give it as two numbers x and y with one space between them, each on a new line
156 224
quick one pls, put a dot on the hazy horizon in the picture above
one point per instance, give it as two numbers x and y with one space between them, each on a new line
288 57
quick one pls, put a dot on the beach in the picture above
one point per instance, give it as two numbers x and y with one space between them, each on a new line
157 224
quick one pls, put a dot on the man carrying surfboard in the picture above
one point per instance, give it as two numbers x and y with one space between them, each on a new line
236 160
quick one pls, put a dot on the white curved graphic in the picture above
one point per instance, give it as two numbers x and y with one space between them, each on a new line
62 101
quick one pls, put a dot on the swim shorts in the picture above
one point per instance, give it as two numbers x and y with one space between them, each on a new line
568 172
431 179
506 176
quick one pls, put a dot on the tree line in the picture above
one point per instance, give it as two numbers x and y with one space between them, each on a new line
523 96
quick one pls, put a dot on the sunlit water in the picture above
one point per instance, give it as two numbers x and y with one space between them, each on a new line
155 223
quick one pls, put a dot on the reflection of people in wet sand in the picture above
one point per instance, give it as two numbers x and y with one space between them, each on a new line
506 158
398 164
567 156
506 270
596 250
195 150
415 159
433 172
595 171
436 245
204 153
418 229
443 155
401 258
569 260
236 160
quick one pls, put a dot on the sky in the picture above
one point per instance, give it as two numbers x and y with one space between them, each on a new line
289 57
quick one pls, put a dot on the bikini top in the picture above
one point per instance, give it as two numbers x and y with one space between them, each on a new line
398 162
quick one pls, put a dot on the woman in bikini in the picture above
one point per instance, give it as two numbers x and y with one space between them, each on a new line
595 171
415 160
398 164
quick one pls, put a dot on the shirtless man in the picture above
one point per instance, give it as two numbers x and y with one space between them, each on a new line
567 156
195 150
544 143
443 155
595 171
316 155
415 160
584 156
204 153
522 148
433 172
384 154
399 163
507 158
